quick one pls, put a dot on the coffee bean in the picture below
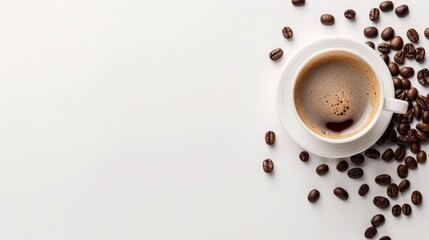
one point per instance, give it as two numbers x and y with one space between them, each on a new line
416 198
383 179
350 14
410 103
422 76
413 35
392 190
374 14
412 135
404 185
381 202
399 57
402 11
417 111
409 50
406 84
370 44
407 72
372 153
396 43
355 173
393 68
287 32
382 139
397 82
396 210
422 136
268 165
363 190
420 54
403 128
270 137
385 58
387 34
406 209
415 147
386 6
383 48
385 238
370 32
298 2
276 54
426 33
313 195
400 94
304 156
421 157
387 155
409 117
425 117
322 169
422 102
402 171
424 127
327 19
399 153
392 136
412 93
357 159
342 166
411 162
378 220
403 141
341 193
370 232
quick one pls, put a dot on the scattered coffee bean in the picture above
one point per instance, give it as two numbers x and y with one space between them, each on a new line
415 147
417 111
404 185
385 57
400 94
355 173
402 171
268 165
383 179
406 209
424 127
387 155
341 193
374 14
357 159
370 232
409 50
422 136
406 84
392 136
422 76
409 117
270 137
425 117
412 135
402 11
363 190
304 156
399 57
313 195
392 190
378 220
386 6
322 169
370 32
385 238
411 162
403 141
276 54
387 34
421 157
396 210
396 43
426 33
407 72
399 153
393 68
350 14
372 153
422 102
287 32
370 44
413 35
412 93
342 166
381 202
403 129
383 48
416 198
420 54
298 2
397 82
327 19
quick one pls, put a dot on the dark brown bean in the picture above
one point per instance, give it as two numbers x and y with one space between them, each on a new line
396 210
378 220
387 34
304 156
363 190
381 202
350 14
422 76
392 190
409 50
411 162
424 127
383 48
370 44
383 179
396 43
313 195
400 94
287 32
388 155
420 54
385 58
357 159
412 135
374 14
400 153
355 173
327 19
412 93
370 32
341 193
413 35
393 68
415 147
385 238
409 117
276 54
322 169
416 198
426 32
422 102
370 232
372 153
298 3
403 128
268 165
270 137
399 58
406 84
406 209
386 6
402 171
425 117
422 136
342 166
403 141
382 139
407 72
402 11
417 111
404 185
397 82
421 157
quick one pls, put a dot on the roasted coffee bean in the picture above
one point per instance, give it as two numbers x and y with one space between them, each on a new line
406 84
400 94
392 190
397 82
424 127
402 11
363 190
403 141
410 105
393 68
370 232
378 220
298 2
426 33
425 117
407 72
413 35
342 166
416 198
322 169
268 165
420 54
403 128
415 147
402 171
381 202
411 162
387 34
417 111
287 32
341 193
357 159
392 136
270 137
276 54
396 43
404 185
382 139
386 6
383 179
396 210
304 156
370 32
400 153
421 156
422 102
412 93
355 173
372 153
422 136
387 155
409 117
313 195
412 135
406 209
399 57
327 19
422 76
374 14
409 50
385 238
385 58
370 44
350 14
383 48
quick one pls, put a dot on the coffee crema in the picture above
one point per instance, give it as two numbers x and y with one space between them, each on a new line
337 95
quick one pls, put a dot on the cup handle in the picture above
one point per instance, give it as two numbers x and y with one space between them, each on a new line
395 105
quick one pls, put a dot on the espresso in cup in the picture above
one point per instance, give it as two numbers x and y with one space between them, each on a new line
337 95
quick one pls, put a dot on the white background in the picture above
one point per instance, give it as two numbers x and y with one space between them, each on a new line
146 119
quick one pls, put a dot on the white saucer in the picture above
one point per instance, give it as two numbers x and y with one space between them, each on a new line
300 135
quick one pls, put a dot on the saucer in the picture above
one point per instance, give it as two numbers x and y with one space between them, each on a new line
297 132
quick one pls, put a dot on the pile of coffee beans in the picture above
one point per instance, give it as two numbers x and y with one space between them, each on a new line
400 130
